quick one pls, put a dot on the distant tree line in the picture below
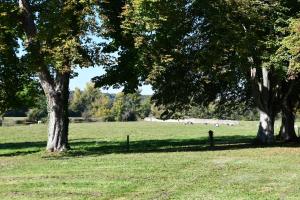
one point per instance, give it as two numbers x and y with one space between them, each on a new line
91 103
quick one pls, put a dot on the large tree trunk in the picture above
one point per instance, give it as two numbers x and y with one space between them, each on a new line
265 133
287 131
288 109
265 98
58 126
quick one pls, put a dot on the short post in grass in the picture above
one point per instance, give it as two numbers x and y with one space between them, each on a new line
127 144
211 138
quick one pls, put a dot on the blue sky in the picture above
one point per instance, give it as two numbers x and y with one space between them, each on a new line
86 74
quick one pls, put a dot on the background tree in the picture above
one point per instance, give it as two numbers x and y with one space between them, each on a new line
90 102
77 105
126 107
101 107
39 111
145 107
96 103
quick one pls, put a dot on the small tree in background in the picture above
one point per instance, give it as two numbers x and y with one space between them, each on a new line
145 107
39 111
126 107
90 102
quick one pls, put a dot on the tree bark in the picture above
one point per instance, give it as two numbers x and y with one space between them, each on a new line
57 93
58 126
55 88
287 130
265 133
288 109
265 97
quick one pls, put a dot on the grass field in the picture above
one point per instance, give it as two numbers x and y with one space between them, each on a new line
165 161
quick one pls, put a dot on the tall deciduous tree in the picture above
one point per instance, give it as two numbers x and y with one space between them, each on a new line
200 51
289 54
203 50
57 38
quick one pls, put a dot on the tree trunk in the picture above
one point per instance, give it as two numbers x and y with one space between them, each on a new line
58 126
287 131
265 97
265 134
288 109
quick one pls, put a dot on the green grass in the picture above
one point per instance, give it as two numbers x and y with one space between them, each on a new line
165 161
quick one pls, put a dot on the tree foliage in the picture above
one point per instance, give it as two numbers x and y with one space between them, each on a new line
126 107
200 51
89 103
17 86
122 68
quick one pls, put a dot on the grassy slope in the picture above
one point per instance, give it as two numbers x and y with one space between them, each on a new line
166 161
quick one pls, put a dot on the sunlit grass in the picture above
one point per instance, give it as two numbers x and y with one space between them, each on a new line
165 161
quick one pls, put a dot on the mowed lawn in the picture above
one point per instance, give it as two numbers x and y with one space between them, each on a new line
165 161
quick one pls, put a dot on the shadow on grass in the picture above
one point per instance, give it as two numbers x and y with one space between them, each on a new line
22 145
89 146
19 153
222 143
21 148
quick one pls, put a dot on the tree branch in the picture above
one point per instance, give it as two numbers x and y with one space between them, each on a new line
30 29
